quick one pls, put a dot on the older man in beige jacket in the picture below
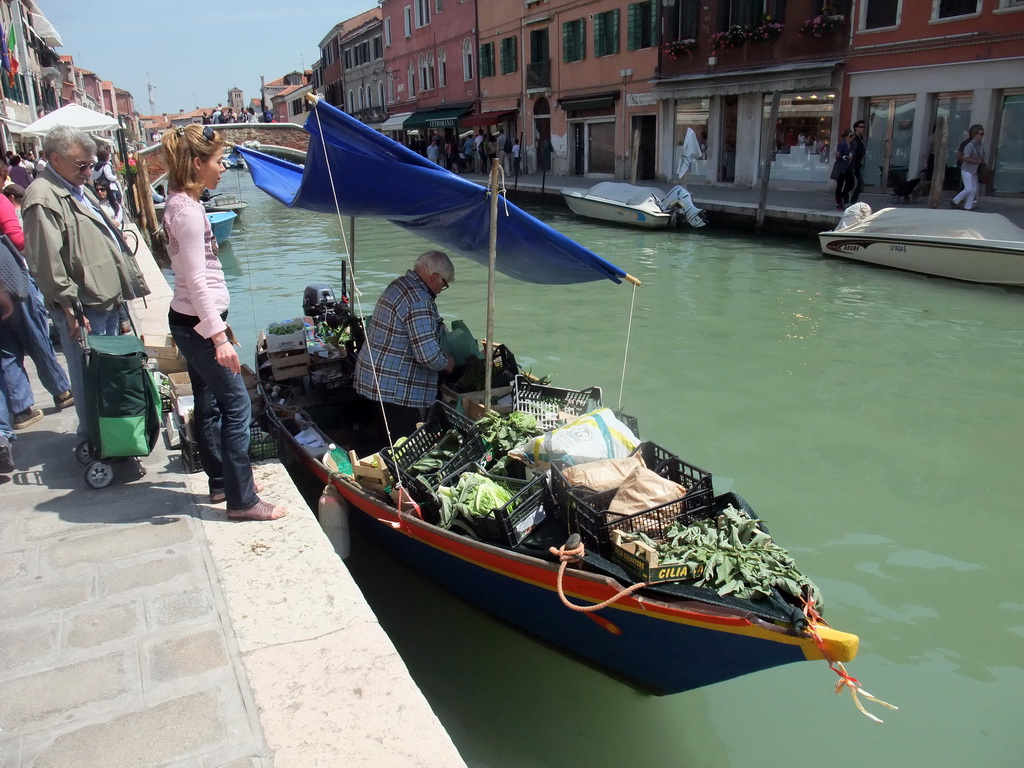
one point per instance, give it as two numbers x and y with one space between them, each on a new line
73 251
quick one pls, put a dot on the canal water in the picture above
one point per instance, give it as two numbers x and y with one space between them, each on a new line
872 417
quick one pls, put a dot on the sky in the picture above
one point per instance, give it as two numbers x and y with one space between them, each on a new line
194 50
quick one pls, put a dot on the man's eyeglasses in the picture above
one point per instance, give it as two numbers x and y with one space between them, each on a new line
82 166
444 283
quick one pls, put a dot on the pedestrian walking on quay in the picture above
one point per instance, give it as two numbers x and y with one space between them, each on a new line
198 322
859 151
973 153
842 170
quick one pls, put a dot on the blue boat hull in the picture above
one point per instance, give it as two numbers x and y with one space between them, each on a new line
222 223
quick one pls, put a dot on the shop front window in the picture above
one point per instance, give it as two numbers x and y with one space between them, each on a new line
1008 172
955 109
803 130
692 113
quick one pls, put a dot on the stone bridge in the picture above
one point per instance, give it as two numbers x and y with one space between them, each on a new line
286 140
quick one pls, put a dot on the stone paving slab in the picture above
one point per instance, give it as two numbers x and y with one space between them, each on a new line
140 627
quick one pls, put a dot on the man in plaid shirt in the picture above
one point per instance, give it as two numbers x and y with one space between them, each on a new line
403 346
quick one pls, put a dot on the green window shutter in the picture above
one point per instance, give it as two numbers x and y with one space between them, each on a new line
504 56
566 42
599 35
615 31
513 55
487 60
654 23
581 37
632 25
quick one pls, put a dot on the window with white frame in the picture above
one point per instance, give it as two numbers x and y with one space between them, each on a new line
407 15
437 6
387 31
467 59
442 68
411 79
378 47
351 105
431 73
369 97
947 9
422 13
380 94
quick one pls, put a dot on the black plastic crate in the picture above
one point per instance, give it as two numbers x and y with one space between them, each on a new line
585 512
262 444
439 422
545 403
515 521
190 456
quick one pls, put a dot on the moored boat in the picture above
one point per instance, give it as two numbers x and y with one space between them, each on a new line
221 223
963 245
664 638
645 207
660 636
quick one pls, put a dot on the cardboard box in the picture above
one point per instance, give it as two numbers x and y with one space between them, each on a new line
370 472
472 403
296 340
289 365
161 349
642 561
181 385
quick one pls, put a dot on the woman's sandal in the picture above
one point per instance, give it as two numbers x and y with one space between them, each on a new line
219 497
261 510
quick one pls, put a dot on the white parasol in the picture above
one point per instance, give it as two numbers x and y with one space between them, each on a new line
74 116
690 154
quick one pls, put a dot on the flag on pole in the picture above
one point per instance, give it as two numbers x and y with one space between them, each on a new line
12 45
5 60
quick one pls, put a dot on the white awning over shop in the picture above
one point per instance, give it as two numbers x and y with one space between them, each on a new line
14 126
46 30
789 77
395 122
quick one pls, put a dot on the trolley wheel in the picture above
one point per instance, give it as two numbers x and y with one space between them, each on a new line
99 474
83 452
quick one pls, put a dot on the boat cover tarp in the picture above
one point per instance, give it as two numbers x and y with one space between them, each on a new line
366 173
934 223
627 194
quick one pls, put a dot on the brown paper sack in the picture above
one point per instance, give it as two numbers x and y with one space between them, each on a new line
602 475
641 490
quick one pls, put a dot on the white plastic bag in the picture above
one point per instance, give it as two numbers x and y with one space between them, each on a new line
593 436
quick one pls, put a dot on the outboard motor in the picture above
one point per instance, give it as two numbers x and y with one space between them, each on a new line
679 199
317 301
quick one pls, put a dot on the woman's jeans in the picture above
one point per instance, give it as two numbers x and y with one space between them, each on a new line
27 333
222 416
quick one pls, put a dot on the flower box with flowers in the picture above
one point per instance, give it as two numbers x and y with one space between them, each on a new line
679 48
738 35
821 25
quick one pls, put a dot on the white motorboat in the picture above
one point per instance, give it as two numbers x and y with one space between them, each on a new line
647 207
963 245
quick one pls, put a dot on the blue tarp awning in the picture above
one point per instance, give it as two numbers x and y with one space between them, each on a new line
354 170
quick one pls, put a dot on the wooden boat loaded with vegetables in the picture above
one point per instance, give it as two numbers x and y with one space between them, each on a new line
544 508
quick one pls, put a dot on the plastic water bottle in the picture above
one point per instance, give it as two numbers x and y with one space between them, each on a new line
341 460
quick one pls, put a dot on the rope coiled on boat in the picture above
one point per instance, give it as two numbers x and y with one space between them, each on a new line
573 549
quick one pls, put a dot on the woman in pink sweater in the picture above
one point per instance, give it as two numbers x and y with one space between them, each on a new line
197 319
